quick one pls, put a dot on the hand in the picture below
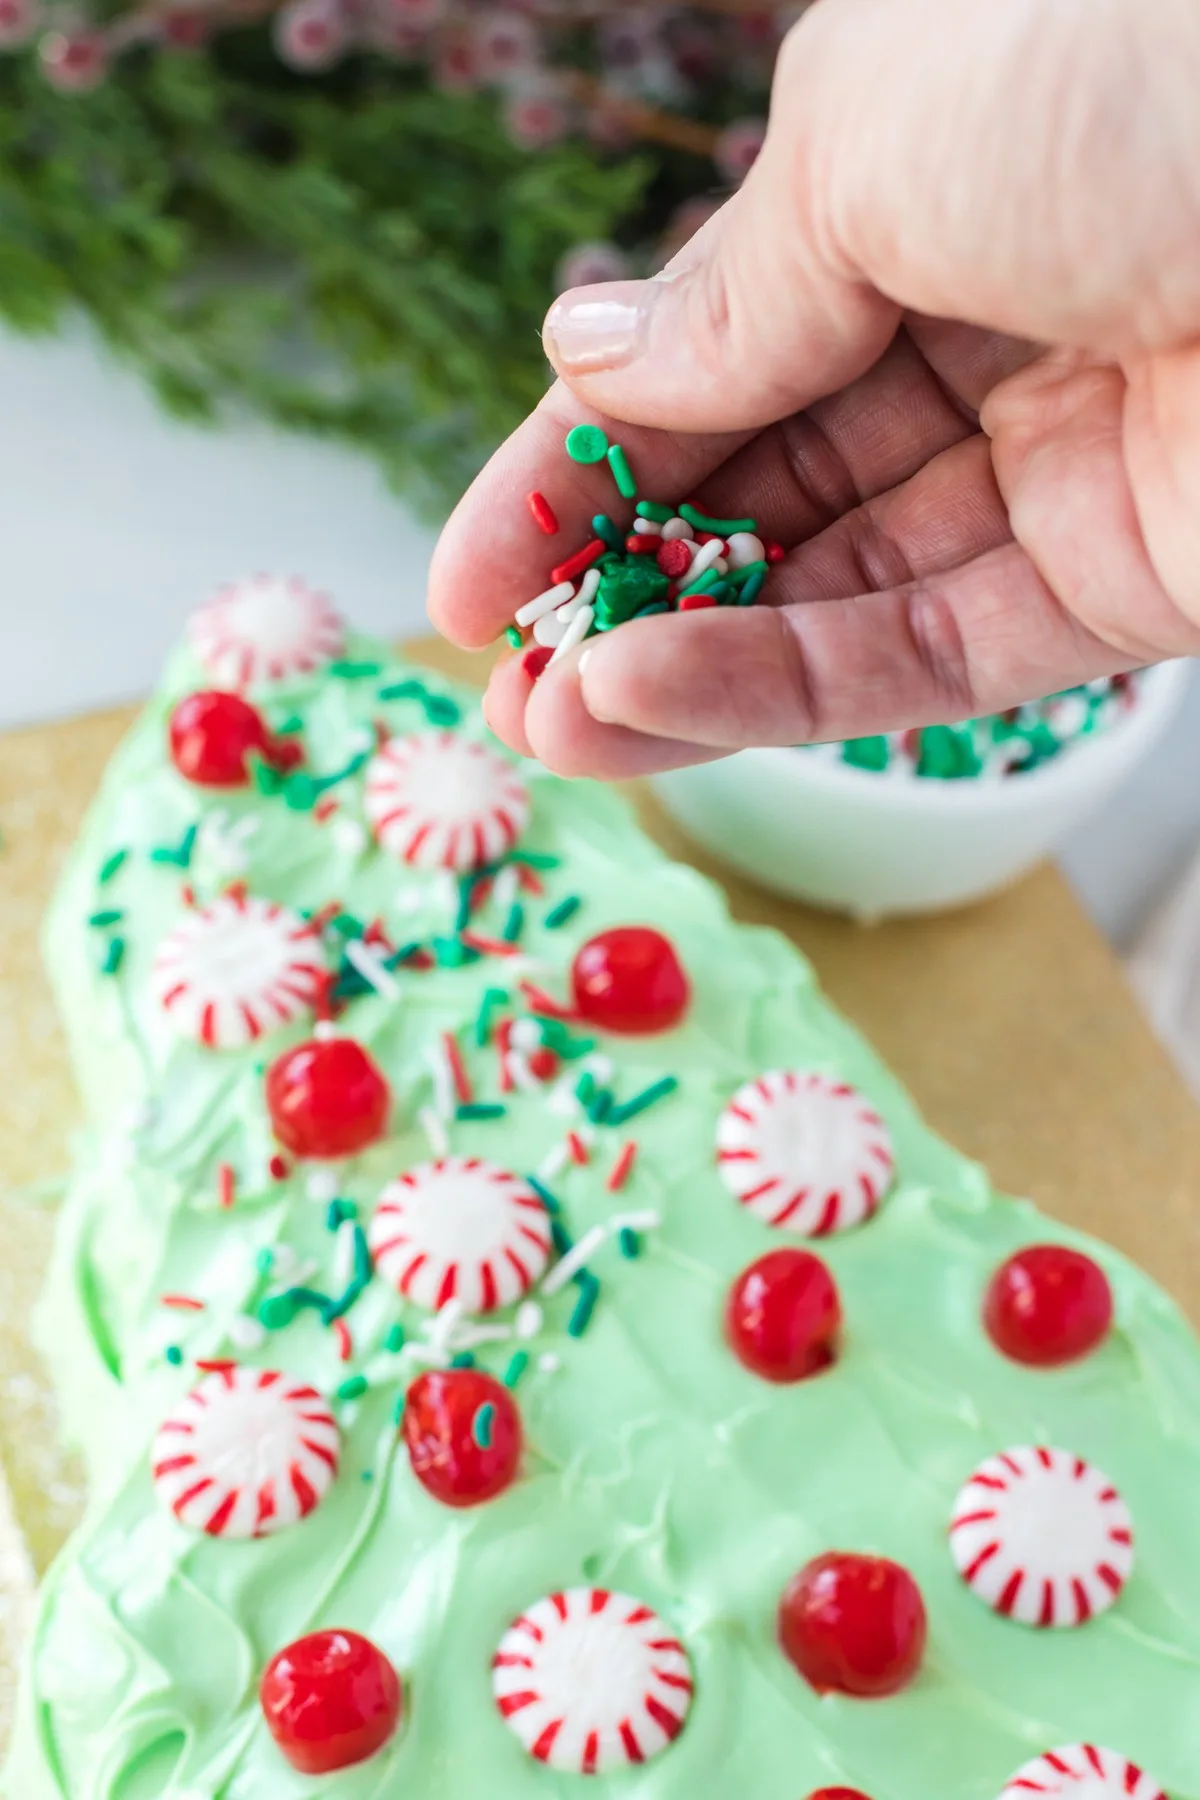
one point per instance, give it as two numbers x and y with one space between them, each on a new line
944 344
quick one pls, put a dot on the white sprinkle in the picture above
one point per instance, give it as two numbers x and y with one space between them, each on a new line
526 1034
721 566
550 630
445 1095
705 557
246 1333
443 1324
544 603
575 1259
430 1354
445 891
553 1163
321 1186
324 1030
676 528
742 548
523 1076
343 1255
562 1099
348 836
634 1221
647 527
529 1320
548 1363
435 1131
470 1337
588 586
600 1067
506 887
576 631
370 966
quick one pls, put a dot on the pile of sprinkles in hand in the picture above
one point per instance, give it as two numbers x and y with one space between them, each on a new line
671 559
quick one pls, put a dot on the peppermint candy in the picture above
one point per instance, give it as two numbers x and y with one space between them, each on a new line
591 1681
439 801
460 1229
238 968
1082 1772
1043 1537
804 1153
247 1453
265 629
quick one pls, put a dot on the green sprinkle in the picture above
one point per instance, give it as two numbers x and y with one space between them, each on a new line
739 577
518 1362
441 710
872 753
354 671
609 531
535 859
703 584
464 1360
559 915
181 855
492 998
622 474
367 1475
347 925
338 1212
548 1200
101 919
300 792
174 1355
650 509
655 606
352 1389
398 1408
560 1237
721 591
570 1049
267 780
514 925
291 724
279 1310
114 956
402 954
585 1087
462 916
264 1260
514 637
589 1293
448 953
627 1242
719 527
402 690
480 1109
752 589
586 444
110 866
600 1105
393 1343
363 1266
648 1096
481 1425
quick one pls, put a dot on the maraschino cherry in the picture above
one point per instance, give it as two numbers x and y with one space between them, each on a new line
327 1099
214 734
1048 1305
783 1316
630 980
854 1625
463 1434
839 1793
330 1700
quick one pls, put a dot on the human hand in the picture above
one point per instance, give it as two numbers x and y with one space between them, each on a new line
851 350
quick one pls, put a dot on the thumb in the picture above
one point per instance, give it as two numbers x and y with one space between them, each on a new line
752 321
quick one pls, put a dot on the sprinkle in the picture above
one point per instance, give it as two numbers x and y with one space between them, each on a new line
321 1186
648 1096
435 1131
463 1359
514 924
336 1214
394 1341
481 1109
514 638
622 474
553 1163
619 1173
600 1106
774 553
246 1333
575 633
560 914
458 1069
605 528
215 1365
651 509
723 528
402 690
352 1389
503 1041
353 671
530 882
546 602
640 544
586 444
102 919
398 1408
589 1293
752 588
114 956
560 1237
110 866
549 1363
444 1324
540 1002
370 966
575 1260
487 946
543 513
572 567
518 1362
345 1342
181 1302
577 1149
344 1253
739 577
551 1203
481 1425
174 1355
181 856
585 1087
627 1242
529 1319
226 1186
492 998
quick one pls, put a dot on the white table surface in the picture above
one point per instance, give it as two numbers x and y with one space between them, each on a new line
114 521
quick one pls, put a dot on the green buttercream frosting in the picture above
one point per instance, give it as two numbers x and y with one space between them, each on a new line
655 1463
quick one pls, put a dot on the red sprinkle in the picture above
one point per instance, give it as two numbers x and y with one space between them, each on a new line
488 946
503 1039
577 1148
181 1302
215 1365
674 557
458 1069
575 565
187 894
642 543
531 881
619 1174
540 1002
696 602
329 911
543 1064
535 660
543 513
226 1188
279 1168
325 810
345 1342
774 553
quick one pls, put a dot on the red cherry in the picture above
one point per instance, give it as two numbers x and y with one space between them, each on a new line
1048 1305
839 1793
330 1700
630 980
854 1625
327 1099
212 735
459 1451
783 1316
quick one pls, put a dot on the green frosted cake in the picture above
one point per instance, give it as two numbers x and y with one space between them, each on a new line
523 1343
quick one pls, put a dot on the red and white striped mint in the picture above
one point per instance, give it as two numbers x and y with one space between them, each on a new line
804 1152
1043 1537
1083 1772
238 968
247 1453
267 628
591 1681
460 1229
440 801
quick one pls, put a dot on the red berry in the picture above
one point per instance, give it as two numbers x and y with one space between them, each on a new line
630 980
330 1700
327 1099
783 1316
1048 1305
461 1452
854 1625
674 557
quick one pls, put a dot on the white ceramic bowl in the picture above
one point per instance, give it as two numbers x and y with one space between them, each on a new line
843 838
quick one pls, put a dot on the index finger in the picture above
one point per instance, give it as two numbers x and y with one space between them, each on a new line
492 556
